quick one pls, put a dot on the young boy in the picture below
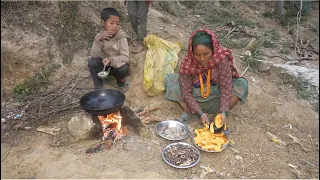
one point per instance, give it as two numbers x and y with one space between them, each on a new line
110 48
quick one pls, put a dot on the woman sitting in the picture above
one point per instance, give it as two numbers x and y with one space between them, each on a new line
207 82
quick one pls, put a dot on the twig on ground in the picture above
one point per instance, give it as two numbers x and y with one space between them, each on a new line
277 103
55 111
229 32
7 154
273 56
66 84
11 145
263 61
314 49
254 174
245 69
155 142
298 27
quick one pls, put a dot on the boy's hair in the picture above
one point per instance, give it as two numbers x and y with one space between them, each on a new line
107 12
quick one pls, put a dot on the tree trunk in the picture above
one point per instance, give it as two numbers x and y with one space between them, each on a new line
279 7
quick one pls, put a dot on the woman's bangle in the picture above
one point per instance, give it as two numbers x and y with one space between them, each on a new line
200 114
223 112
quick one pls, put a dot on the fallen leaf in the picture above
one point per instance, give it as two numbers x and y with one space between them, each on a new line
291 165
275 140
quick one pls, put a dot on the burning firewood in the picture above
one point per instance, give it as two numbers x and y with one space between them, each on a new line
151 118
147 111
111 127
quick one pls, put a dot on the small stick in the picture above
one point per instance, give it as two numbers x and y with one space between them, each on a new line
155 142
245 69
264 61
66 84
277 103
63 109
153 134
6 154
229 32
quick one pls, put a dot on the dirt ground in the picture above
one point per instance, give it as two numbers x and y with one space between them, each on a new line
271 107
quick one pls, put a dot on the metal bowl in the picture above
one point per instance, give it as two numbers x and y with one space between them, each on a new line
222 147
167 124
103 74
186 145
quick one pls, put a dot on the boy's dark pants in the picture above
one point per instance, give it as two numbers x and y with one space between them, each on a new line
95 66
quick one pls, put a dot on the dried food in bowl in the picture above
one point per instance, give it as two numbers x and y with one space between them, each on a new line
181 155
172 130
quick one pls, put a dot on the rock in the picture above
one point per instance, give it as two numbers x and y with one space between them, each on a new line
239 158
194 176
264 67
311 76
247 53
156 13
181 6
235 151
83 127
217 4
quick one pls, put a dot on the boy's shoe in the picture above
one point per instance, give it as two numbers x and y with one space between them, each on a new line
123 85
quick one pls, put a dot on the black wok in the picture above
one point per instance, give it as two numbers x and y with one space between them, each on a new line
102 102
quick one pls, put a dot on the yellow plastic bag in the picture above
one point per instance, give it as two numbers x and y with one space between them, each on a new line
161 60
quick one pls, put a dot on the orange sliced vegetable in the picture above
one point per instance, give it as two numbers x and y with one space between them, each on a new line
208 140
206 126
218 121
211 127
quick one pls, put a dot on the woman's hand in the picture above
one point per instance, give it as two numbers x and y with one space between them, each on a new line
224 119
106 61
204 119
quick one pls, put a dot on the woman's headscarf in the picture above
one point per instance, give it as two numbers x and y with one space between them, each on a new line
201 37
189 64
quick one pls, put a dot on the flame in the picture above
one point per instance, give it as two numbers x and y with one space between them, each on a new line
111 125
113 118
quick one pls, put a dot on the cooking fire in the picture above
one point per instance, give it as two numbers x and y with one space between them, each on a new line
111 127
114 126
